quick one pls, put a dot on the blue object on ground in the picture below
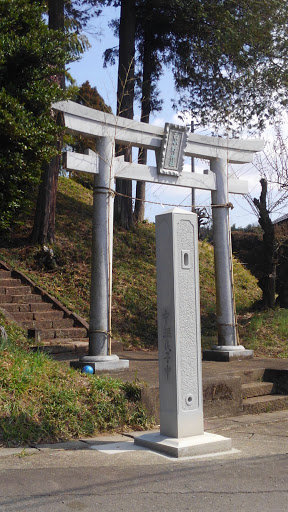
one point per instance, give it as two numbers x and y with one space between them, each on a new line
87 369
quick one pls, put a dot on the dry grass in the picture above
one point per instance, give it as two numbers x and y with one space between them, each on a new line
134 276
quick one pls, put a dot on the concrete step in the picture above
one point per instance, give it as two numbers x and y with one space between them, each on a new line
9 281
63 346
26 299
37 315
72 332
41 306
5 299
22 308
268 403
251 375
49 323
67 346
253 389
63 322
15 290
5 273
32 324
20 299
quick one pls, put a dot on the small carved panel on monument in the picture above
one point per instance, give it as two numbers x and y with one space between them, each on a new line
166 339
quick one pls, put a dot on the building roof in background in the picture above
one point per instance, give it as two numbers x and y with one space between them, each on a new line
283 218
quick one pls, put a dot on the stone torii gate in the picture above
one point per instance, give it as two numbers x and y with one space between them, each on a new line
169 144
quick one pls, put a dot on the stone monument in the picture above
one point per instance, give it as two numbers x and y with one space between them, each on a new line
179 342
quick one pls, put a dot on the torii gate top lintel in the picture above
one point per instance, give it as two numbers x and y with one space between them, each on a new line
91 122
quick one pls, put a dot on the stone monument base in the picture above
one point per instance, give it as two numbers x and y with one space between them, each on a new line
227 353
101 363
204 444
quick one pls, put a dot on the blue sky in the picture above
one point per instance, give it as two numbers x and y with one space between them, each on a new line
90 68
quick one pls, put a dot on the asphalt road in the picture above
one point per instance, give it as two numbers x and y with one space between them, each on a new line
95 475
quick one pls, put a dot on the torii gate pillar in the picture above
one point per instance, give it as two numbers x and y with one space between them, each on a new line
101 266
227 348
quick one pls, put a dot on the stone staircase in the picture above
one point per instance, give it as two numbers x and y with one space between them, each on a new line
228 389
54 328
266 394
60 332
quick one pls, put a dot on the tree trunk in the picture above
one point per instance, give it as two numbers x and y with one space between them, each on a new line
44 220
268 278
123 213
139 211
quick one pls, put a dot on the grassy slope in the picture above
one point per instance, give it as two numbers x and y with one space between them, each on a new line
44 401
134 277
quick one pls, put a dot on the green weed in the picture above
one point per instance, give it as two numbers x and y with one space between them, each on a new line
43 401
266 332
